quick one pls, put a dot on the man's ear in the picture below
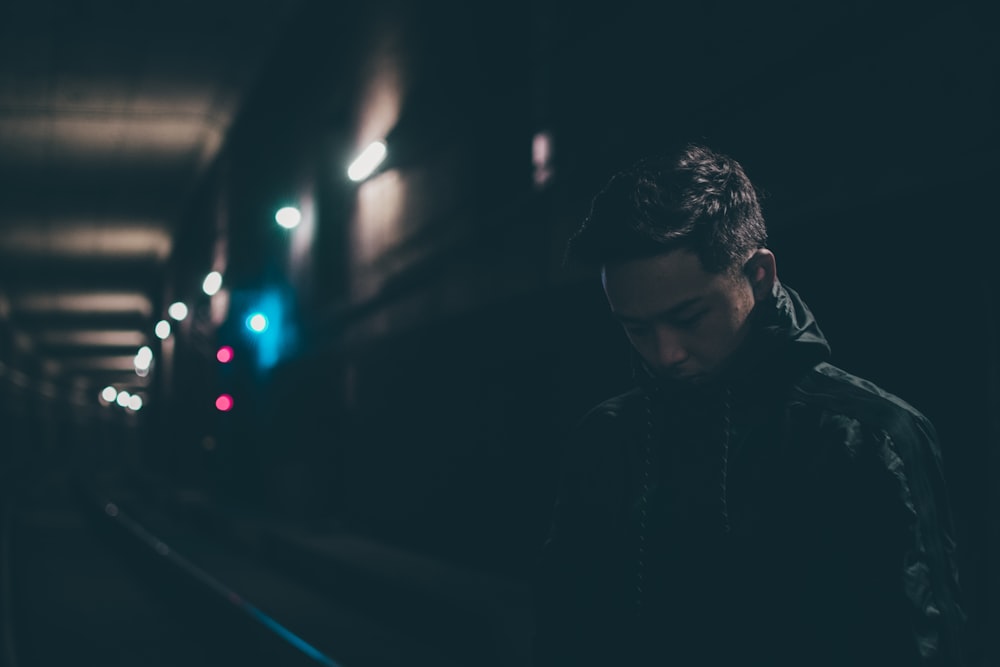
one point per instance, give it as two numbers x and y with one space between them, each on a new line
762 273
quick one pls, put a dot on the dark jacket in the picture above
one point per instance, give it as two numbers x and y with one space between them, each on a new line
789 514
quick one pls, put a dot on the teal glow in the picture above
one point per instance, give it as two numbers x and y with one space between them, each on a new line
289 636
268 328
232 596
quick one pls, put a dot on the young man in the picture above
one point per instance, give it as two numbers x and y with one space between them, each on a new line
748 503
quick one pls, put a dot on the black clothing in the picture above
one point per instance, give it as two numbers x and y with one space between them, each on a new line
788 514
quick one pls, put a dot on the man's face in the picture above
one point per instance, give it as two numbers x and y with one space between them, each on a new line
684 321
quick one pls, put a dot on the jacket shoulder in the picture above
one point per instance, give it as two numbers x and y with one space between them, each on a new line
608 423
839 394
621 405
603 430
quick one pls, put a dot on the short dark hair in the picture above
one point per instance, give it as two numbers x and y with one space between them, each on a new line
695 199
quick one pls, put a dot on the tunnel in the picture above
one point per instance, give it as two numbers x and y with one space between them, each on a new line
288 343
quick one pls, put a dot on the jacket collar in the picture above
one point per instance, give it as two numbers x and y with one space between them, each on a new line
785 340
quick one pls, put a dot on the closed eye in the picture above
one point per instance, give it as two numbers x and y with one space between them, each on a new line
638 329
689 322
646 329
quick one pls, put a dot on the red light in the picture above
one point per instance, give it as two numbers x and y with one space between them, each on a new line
224 354
224 403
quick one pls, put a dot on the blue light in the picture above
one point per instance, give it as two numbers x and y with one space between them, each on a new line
288 636
257 322
268 328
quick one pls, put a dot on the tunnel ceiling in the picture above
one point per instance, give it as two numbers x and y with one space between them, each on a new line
110 112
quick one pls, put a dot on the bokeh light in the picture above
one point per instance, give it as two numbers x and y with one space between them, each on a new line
162 329
143 360
257 322
365 164
224 403
212 283
178 310
288 217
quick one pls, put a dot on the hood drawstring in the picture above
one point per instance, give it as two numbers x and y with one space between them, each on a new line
727 409
645 481
647 468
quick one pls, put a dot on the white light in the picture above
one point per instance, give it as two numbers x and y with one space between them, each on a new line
135 402
143 358
162 329
123 398
365 164
288 217
109 394
212 283
257 322
178 310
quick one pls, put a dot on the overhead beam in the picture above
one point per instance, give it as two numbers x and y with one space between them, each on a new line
81 302
89 240
100 338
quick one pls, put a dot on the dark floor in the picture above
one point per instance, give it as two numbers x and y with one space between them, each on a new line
101 580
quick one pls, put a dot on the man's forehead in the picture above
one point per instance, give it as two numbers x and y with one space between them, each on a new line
678 270
638 288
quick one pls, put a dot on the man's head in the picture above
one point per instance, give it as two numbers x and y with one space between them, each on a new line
679 241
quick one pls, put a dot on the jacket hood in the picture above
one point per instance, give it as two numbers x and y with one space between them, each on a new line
787 324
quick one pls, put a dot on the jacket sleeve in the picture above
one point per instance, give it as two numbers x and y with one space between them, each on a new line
556 579
906 567
559 577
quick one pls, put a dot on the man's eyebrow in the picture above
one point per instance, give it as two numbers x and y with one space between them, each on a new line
673 311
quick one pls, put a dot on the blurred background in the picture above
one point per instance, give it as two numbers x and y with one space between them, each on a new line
286 343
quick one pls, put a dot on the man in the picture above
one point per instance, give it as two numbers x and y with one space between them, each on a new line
747 503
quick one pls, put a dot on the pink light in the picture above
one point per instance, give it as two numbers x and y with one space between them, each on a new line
541 158
224 354
224 403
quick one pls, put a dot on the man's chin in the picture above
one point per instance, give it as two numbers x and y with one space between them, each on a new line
697 379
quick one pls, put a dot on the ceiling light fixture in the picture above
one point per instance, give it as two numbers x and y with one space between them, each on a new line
370 158
288 217
212 283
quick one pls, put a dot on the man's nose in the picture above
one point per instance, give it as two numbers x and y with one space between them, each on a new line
669 350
